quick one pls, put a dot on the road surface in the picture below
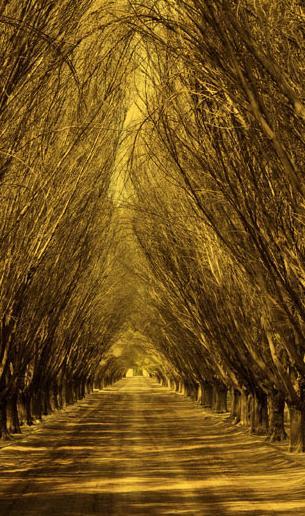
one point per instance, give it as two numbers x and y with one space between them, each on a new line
139 449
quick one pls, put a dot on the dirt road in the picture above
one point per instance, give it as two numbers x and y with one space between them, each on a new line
139 449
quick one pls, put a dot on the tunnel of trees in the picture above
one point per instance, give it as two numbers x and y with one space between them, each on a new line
152 205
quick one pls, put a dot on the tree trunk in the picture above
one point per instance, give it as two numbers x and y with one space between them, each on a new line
101 384
235 405
37 405
68 393
220 392
190 388
199 393
207 394
26 401
245 408
46 401
181 389
277 430
61 396
13 423
172 384
77 391
89 387
21 411
55 396
4 434
74 392
297 429
297 422
82 389
259 414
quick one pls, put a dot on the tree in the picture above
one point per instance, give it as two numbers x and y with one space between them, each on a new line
231 148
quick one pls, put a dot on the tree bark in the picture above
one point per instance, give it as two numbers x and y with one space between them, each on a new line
37 405
13 422
46 401
245 408
297 421
181 388
297 429
199 393
26 401
277 430
220 392
88 387
235 406
68 393
84 388
259 414
101 384
207 394
81 389
4 434
61 396
173 384
191 389
75 391
55 396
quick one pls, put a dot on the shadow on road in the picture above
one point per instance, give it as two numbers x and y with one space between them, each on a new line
138 449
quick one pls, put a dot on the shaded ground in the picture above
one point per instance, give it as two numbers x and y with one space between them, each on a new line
139 449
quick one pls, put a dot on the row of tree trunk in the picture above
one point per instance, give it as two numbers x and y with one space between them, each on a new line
28 407
263 414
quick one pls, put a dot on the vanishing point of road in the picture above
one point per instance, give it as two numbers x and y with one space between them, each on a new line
139 449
